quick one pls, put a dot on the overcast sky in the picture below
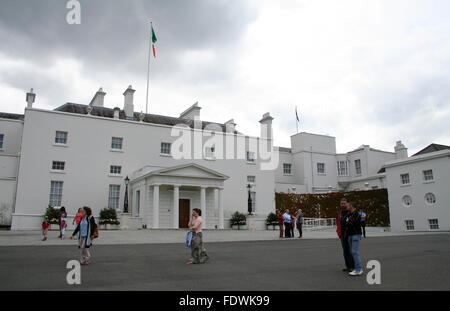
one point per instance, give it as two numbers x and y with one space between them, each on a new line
366 72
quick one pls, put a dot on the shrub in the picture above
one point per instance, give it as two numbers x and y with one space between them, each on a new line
272 219
326 205
238 219
108 216
53 214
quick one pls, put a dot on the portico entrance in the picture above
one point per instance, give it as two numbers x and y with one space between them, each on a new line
168 195
185 211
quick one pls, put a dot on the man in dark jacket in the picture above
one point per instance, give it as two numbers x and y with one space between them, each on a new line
353 234
349 266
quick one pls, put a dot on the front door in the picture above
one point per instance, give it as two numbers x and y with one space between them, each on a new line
184 213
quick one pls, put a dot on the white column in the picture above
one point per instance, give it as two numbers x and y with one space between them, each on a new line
220 199
144 209
176 207
203 205
155 216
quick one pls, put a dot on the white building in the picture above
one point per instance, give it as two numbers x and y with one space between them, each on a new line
419 190
77 155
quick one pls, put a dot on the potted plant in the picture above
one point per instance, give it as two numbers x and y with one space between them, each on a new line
53 216
108 219
237 220
272 221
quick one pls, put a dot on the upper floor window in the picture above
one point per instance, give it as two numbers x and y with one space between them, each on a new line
209 152
409 224
428 175
342 167
114 196
404 178
56 188
61 137
58 165
251 179
116 143
358 167
250 156
320 168
165 148
287 168
115 169
2 137
433 223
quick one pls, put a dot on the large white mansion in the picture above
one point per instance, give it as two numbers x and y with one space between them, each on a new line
78 155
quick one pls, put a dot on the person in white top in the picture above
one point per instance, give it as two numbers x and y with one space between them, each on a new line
198 253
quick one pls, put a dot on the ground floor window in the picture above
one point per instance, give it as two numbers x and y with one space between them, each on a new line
113 197
409 223
56 188
253 196
433 223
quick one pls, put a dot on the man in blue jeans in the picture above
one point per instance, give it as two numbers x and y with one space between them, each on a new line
353 234
340 230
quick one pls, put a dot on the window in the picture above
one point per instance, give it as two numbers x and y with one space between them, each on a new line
58 165
113 197
404 179
320 168
2 137
165 148
56 188
209 152
433 223
342 167
409 224
116 143
428 175
250 156
61 138
430 198
287 168
358 167
407 201
115 169
251 179
253 197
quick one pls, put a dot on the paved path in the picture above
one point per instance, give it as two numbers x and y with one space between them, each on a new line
419 262
113 237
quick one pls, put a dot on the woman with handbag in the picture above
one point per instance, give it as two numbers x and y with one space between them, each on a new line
198 253
87 229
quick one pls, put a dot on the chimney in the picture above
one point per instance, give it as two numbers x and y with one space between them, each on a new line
128 106
230 126
192 112
116 112
266 126
98 98
30 98
401 152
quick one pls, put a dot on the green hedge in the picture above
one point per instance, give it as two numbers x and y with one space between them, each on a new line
374 202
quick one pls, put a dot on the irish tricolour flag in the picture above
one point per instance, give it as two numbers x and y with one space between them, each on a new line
153 42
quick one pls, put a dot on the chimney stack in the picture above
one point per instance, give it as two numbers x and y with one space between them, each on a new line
192 112
98 98
128 105
401 152
266 126
30 98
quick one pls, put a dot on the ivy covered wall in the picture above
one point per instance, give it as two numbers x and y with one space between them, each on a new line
326 205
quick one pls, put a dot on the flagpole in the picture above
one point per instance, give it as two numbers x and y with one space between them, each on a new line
148 68
296 118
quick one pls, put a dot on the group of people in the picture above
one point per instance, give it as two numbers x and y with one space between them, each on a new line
287 223
85 230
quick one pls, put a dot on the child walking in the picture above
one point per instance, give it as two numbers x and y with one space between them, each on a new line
45 225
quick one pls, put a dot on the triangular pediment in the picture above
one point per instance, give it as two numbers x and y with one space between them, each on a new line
190 170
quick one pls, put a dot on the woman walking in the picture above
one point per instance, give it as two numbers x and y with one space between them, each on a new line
62 222
86 229
77 219
198 254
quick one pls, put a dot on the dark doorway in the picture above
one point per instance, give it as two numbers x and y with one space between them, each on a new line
184 213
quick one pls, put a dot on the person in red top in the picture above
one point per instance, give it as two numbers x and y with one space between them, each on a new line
45 225
281 224
77 219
